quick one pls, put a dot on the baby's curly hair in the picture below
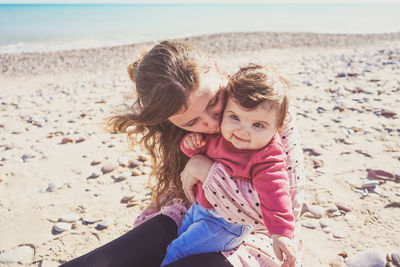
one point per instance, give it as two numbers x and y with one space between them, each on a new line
255 84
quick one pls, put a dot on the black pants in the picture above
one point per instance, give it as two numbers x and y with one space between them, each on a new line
144 246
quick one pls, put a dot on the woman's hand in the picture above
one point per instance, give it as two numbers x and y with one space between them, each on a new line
196 170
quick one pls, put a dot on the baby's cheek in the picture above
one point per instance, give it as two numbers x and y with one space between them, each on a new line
226 129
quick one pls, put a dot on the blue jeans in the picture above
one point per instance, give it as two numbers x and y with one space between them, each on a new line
204 231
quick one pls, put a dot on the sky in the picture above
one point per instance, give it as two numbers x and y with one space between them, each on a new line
189 1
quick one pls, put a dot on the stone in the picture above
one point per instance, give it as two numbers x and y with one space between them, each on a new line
19 254
318 163
69 217
109 166
381 175
136 172
62 227
95 174
66 140
327 230
310 224
363 153
79 140
388 113
127 198
367 258
317 212
339 234
343 207
362 192
135 163
369 185
104 224
94 163
144 157
53 187
123 161
395 259
315 152
325 222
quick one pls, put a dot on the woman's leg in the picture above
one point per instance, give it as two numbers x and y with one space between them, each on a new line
144 245
211 259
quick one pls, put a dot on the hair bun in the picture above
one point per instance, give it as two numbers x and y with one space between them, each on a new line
132 70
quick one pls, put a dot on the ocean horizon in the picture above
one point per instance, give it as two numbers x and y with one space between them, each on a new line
50 27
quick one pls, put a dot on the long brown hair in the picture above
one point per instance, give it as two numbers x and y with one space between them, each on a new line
164 78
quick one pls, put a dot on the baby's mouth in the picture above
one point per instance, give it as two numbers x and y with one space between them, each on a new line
240 139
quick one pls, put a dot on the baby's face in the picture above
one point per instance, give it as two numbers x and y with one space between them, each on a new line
248 129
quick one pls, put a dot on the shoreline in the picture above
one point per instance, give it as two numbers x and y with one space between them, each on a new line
78 59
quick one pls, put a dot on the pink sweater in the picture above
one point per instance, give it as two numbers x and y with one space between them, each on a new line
264 168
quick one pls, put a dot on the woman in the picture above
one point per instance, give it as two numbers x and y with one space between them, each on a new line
179 89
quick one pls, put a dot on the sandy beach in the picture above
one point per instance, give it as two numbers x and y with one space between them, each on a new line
57 163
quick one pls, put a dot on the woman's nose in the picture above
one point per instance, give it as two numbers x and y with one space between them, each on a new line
211 120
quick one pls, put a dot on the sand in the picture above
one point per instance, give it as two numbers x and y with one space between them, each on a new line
53 146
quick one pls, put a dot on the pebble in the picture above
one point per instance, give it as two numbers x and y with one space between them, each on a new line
136 172
339 234
109 166
388 113
62 226
89 220
381 175
123 161
343 207
127 198
135 163
94 163
318 163
143 157
315 152
395 258
79 140
66 140
324 223
336 213
95 174
53 187
367 258
369 185
310 224
363 153
327 230
363 192
69 217
317 212
19 254
27 157
104 224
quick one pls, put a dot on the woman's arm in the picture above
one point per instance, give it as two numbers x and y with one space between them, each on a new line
196 170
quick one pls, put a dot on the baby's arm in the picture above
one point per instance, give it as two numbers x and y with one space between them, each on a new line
284 246
192 144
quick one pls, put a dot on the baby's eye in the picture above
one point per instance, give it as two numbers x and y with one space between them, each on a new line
236 118
258 125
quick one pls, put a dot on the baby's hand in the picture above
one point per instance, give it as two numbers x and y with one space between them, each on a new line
193 141
283 245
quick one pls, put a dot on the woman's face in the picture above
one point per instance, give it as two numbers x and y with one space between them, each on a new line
204 107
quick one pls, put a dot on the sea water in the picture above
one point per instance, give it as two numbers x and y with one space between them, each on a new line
46 27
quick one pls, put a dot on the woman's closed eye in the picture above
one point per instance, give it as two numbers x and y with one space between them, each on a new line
234 117
213 102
